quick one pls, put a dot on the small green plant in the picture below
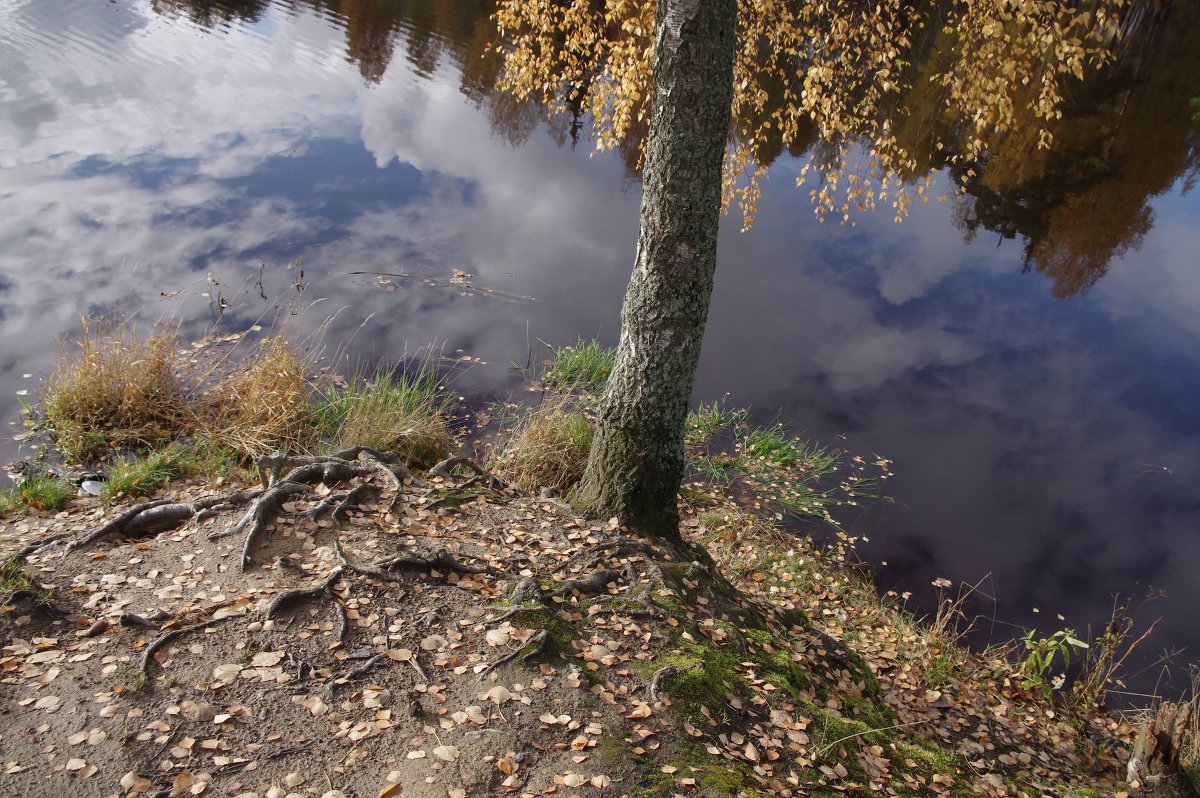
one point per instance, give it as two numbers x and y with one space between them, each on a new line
214 459
937 672
1040 655
17 580
1107 654
1195 102
142 476
10 499
45 492
130 677
582 368
406 413
708 420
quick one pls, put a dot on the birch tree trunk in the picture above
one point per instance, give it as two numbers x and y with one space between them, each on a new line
636 464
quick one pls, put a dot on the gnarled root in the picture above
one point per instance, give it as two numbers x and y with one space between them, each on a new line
299 594
445 468
156 517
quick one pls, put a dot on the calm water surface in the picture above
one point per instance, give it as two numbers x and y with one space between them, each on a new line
1044 435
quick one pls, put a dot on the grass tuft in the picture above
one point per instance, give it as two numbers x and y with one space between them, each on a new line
112 389
17 578
582 368
10 499
262 406
45 492
708 420
142 476
405 414
546 448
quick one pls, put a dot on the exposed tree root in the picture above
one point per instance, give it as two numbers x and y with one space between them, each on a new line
290 596
357 673
647 552
445 470
161 515
342 502
37 546
154 621
438 560
155 646
645 608
592 585
302 593
539 640
285 475
264 510
300 468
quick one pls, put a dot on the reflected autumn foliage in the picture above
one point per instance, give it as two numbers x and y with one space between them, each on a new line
1124 136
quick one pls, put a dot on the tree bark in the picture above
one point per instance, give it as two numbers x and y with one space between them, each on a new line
635 467
1153 770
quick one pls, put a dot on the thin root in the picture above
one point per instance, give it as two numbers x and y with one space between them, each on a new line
154 647
539 640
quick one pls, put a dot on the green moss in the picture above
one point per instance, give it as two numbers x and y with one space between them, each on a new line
611 750
928 756
726 778
704 671
830 731
559 632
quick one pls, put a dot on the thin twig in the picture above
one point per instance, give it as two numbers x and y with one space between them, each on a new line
357 673
829 746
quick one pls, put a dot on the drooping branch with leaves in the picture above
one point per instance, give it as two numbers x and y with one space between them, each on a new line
837 71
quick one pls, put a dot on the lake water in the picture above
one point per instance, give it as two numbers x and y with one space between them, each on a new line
1044 435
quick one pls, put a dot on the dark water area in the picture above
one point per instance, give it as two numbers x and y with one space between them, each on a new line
1028 356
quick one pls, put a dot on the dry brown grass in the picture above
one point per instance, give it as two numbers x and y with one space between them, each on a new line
262 405
546 448
112 389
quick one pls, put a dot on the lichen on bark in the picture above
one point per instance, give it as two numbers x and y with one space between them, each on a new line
636 463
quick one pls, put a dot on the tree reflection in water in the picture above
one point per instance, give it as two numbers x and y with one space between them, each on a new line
1124 136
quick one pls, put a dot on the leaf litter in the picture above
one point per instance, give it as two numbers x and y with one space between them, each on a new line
516 650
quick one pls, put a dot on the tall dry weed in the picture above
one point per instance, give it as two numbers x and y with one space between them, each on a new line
112 389
262 405
546 448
